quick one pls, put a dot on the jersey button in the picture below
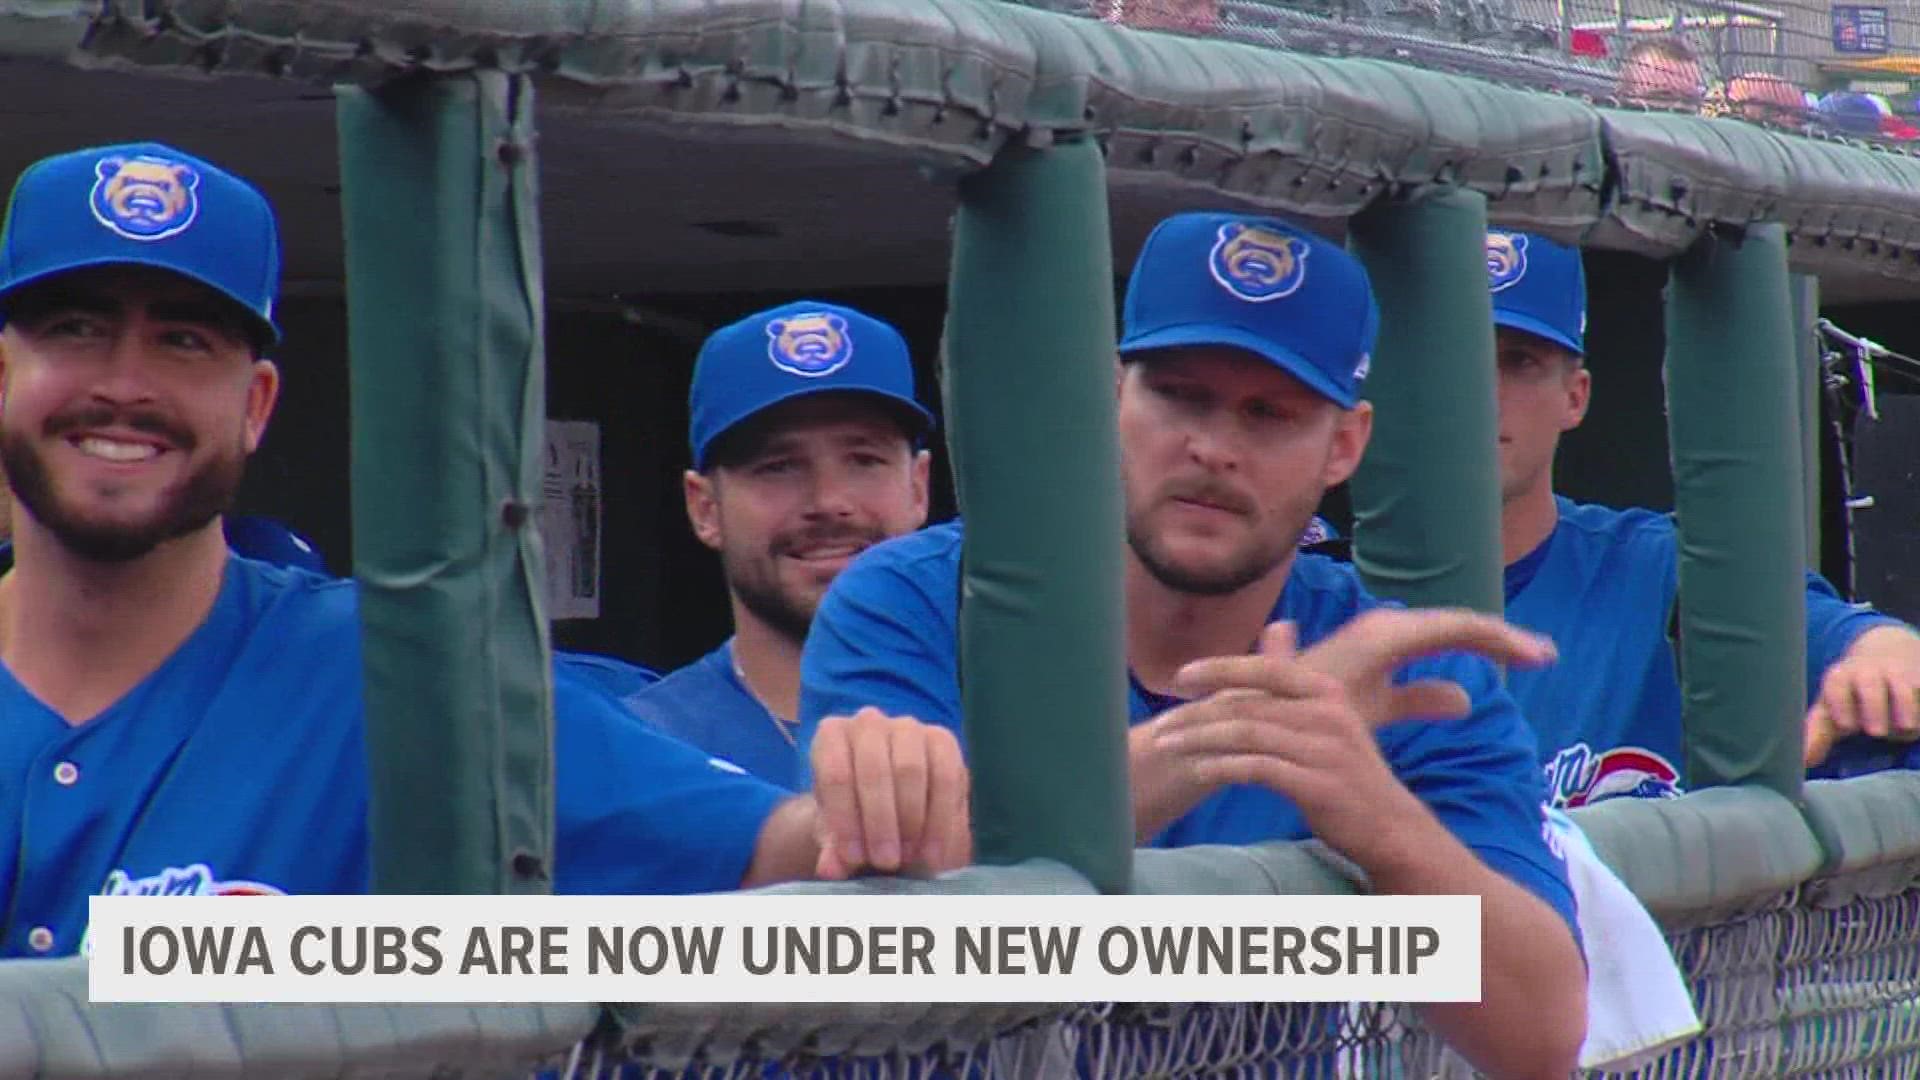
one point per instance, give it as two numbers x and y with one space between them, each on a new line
40 939
66 774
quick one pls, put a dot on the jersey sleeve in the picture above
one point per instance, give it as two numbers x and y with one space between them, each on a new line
1832 627
1859 755
881 637
1480 775
639 812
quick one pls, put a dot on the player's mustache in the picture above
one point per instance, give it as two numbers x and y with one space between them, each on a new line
145 421
1212 494
819 538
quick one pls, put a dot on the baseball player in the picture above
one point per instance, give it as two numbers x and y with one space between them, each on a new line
1271 697
181 720
805 438
1602 582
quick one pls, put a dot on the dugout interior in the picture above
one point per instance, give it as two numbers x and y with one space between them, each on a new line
646 250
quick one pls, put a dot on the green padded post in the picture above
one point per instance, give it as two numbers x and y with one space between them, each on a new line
1030 408
1806 337
1426 499
1733 411
449 399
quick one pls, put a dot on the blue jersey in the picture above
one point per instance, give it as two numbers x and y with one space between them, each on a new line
272 543
239 766
885 635
705 704
614 676
1603 586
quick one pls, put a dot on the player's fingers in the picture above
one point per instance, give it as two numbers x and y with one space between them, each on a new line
908 748
874 780
1904 699
1296 730
1279 639
1262 770
1414 635
1428 699
1211 709
829 866
1281 676
1870 687
1819 735
1837 700
949 830
1217 719
1383 640
835 791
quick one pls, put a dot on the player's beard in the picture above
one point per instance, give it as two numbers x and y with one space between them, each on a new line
1264 549
787 614
206 493
755 581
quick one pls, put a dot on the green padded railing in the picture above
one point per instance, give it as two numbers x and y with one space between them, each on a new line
48 1030
951 81
1755 895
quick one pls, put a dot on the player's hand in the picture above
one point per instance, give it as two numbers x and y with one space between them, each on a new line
1365 653
1306 724
1865 692
1272 720
892 793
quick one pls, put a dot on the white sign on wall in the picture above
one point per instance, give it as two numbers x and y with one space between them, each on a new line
570 519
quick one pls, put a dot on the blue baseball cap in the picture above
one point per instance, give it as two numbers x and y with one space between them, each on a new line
144 204
1282 293
794 351
1539 287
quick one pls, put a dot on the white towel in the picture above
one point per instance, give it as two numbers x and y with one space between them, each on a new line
1638 1004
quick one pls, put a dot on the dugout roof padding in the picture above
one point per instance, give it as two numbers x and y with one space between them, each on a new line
719 144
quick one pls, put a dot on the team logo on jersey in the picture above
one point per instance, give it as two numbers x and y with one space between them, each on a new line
145 197
195 880
1579 777
1550 832
1506 259
1256 263
809 345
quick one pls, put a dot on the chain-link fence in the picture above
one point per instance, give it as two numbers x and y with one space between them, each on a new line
1823 982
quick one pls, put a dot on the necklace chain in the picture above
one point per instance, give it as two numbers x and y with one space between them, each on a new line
784 727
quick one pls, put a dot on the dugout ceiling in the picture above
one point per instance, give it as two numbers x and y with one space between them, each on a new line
709 145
